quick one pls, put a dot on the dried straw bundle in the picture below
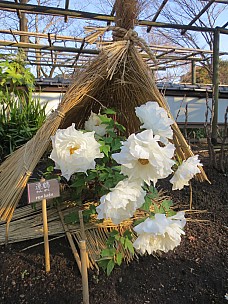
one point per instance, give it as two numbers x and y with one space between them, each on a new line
117 78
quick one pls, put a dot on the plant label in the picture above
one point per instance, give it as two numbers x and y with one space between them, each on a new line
43 190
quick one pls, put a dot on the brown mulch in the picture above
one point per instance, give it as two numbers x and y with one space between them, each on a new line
195 272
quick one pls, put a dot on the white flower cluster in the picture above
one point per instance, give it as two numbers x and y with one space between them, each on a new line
161 233
122 202
74 151
144 158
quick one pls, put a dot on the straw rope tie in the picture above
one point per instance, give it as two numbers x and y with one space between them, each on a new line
121 33
28 173
60 114
132 35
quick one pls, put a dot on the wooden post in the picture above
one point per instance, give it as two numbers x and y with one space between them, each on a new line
215 97
85 284
45 231
193 70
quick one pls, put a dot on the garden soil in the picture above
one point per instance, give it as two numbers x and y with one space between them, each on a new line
195 272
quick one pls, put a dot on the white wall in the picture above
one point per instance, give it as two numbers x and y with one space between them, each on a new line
196 106
52 99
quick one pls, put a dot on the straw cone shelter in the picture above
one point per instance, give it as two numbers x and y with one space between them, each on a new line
118 78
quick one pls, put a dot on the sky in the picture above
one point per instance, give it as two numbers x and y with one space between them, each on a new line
105 7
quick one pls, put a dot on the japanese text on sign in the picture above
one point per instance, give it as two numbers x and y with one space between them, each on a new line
43 190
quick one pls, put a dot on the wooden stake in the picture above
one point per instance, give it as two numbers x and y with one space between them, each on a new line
190 195
45 231
85 284
70 239
7 233
82 229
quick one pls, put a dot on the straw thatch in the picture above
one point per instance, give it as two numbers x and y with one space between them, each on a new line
118 78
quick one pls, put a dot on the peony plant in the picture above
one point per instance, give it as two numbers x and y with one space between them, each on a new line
143 159
74 151
185 172
155 118
120 175
94 123
122 202
160 233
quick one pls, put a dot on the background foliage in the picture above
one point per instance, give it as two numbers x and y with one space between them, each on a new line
20 114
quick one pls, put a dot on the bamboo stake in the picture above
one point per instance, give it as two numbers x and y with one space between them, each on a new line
190 195
45 231
70 239
7 233
82 229
40 243
85 284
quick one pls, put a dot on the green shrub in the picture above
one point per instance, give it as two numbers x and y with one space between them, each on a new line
14 76
20 115
19 121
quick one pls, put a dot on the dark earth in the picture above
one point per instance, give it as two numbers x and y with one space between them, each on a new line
195 272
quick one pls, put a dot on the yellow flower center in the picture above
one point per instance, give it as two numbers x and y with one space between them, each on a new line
143 161
72 149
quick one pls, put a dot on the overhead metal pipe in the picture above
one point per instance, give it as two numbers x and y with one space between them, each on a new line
225 25
38 9
198 15
219 1
47 47
157 14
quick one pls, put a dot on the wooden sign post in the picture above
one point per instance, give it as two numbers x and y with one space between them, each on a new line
41 191
45 232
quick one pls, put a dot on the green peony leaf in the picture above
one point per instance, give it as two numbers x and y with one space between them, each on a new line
119 258
166 204
128 245
109 112
148 203
110 266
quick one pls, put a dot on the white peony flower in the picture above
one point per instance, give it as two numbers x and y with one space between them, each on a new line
185 172
156 118
161 233
121 203
142 158
94 124
74 151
